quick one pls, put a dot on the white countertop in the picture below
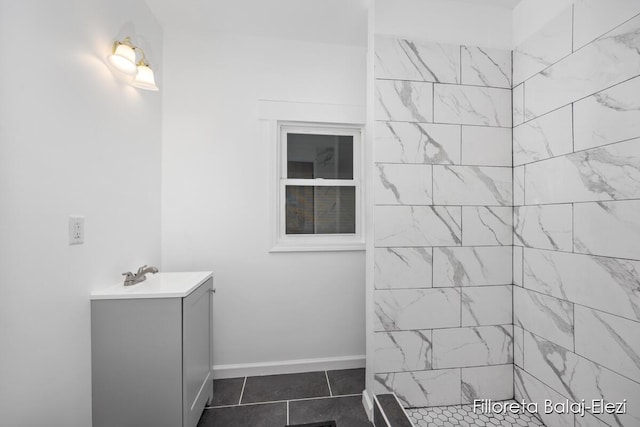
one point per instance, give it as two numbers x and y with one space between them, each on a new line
160 285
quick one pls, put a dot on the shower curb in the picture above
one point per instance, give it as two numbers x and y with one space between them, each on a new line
388 412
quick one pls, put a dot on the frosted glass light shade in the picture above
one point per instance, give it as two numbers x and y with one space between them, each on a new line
144 79
124 59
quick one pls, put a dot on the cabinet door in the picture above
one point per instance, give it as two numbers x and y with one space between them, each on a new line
196 341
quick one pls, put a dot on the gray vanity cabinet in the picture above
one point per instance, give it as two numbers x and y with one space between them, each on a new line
151 359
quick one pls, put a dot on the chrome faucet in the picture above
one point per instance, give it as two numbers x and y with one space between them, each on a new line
132 279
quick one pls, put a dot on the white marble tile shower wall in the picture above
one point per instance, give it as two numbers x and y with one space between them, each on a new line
443 222
576 223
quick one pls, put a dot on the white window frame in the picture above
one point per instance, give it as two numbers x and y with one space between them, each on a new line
316 242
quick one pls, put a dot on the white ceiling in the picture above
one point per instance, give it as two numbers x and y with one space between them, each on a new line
322 21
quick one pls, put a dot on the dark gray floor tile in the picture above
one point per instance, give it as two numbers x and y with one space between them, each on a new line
261 415
345 411
346 381
227 391
271 388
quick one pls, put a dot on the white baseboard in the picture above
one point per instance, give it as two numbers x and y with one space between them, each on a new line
368 405
288 366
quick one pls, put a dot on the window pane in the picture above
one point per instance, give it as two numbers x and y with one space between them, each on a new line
320 210
319 156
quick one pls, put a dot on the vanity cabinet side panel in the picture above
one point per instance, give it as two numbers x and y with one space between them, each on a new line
197 337
136 354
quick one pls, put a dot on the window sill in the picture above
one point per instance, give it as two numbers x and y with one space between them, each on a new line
336 247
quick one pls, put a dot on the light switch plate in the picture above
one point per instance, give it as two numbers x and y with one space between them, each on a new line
76 230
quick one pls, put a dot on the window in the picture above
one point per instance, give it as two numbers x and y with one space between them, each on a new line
319 200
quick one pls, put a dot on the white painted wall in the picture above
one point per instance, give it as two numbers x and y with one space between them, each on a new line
73 140
531 15
445 21
269 307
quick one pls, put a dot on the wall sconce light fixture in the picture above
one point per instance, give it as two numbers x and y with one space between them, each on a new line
123 59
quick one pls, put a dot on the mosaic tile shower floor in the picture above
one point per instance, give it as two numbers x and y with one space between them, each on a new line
452 416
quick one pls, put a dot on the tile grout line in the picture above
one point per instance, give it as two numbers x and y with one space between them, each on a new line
244 383
271 402
326 375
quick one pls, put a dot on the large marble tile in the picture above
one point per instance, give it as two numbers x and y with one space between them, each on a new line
517 96
547 136
401 142
518 185
487 226
608 229
486 146
543 315
549 44
402 184
346 381
417 226
262 415
404 101
578 378
405 309
487 382
486 67
518 346
421 388
402 59
593 18
471 266
608 340
606 284
543 227
518 260
530 389
472 185
472 105
272 388
609 116
611 172
400 351
487 305
403 267
476 346
611 59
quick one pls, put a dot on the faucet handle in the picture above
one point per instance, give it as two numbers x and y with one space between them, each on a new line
141 269
128 274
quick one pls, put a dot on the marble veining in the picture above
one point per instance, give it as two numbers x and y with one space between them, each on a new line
531 389
487 226
417 226
543 315
479 382
547 136
402 142
611 172
579 378
405 309
472 185
609 116
587 70
518 260
474 346
486 305
542 49
617 346
471 266
606 284
593 18
544 227
421 388
472 105
400 184
518 104
608 229
486 67
403 267
402 351
403 59
403 101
